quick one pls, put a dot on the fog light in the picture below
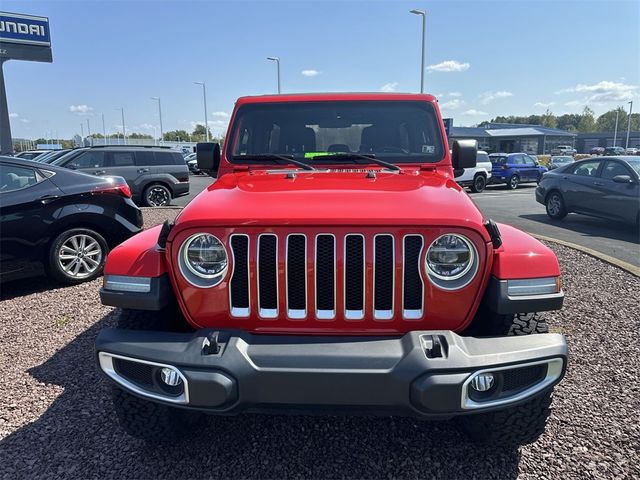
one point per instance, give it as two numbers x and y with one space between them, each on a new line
482 382
170 376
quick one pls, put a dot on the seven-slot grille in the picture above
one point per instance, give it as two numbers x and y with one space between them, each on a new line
319 273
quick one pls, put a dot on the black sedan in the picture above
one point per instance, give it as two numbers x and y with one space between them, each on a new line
601 187
64 220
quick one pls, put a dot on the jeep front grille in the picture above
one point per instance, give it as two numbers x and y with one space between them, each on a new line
324 276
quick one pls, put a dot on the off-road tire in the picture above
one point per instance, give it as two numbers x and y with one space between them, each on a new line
554 204
513 182
149 421
53 266
479 183
511 427
521 424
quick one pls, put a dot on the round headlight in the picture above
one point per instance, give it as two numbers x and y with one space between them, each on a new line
450 257
205 257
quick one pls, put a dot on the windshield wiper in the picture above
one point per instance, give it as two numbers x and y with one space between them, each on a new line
355 156
281 159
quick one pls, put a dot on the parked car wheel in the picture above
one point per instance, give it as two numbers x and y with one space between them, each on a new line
157 195
77 255
555 206
513 182
150 421
479 184
521 424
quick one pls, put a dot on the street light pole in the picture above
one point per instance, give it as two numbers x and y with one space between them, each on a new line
82 133
204 97
423 14
104 131
629 124
615 132
277 60
89 132
160 114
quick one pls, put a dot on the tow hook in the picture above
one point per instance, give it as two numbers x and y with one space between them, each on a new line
210 345
435 346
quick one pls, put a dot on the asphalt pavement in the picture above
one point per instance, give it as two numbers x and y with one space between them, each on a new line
520 209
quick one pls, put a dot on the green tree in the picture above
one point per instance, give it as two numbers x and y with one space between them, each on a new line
140 135
587 121
175 135
199 133
548 119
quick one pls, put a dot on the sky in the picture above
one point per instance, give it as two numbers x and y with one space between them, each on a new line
484 58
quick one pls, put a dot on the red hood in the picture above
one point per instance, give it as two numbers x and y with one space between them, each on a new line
335 198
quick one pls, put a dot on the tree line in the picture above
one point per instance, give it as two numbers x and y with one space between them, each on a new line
584 122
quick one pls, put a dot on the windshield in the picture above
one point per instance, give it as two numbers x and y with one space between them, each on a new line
635 164
562 159
498 159
396 132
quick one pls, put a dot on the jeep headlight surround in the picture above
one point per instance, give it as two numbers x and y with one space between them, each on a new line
203 260
451 261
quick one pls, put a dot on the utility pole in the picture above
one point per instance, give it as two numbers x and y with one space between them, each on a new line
615 132
423 14
82 133
89 132
629 124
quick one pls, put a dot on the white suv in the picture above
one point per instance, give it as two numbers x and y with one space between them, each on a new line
477 178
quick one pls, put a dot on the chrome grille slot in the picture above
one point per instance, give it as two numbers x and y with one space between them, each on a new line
383 276
239 283
267 275
296 276
412 285
354 271
325 276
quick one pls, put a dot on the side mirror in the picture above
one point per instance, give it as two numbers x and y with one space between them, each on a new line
464 155
622 179
208 155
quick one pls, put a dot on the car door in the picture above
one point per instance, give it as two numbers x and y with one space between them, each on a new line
579 189
27 208
617 200
531 168
122 163
520 167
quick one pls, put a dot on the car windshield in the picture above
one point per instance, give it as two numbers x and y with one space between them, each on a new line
562 159
393 131
498 159
63 158
635 164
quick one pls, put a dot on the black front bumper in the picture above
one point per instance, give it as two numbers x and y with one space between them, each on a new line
404 375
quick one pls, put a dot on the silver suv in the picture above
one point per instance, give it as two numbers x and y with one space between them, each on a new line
155 174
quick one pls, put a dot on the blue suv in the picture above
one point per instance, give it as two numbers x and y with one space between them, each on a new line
512 169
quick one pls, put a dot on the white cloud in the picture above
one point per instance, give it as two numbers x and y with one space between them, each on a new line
603 92
389 87
81 109
24 120
13 115
145 126
455 94
473 112
574 103
451 104
220 114
544 105
449 66
488 97
310 73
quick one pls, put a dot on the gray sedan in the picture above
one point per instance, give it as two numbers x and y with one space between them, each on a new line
601 187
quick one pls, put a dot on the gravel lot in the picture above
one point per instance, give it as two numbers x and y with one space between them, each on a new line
56 418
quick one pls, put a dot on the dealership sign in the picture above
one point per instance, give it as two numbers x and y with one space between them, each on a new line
24 37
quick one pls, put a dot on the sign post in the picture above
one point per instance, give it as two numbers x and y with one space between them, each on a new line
22 37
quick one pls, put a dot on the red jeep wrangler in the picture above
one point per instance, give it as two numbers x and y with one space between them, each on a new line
334 265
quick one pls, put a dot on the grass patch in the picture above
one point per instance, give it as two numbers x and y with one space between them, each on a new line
63 320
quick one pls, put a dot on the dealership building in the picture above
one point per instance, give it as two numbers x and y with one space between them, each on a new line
586 141
510 137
